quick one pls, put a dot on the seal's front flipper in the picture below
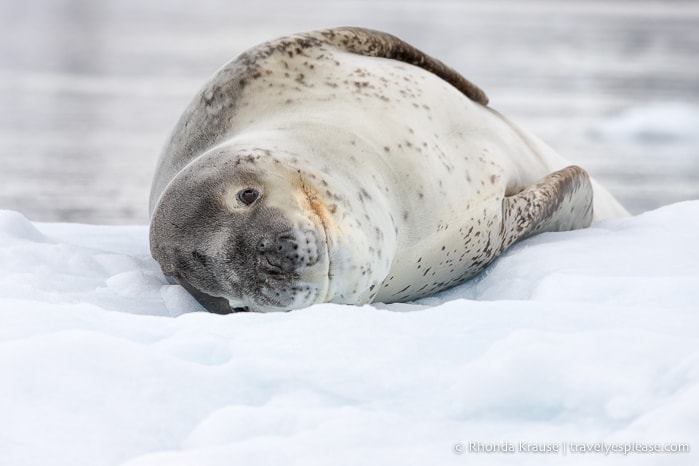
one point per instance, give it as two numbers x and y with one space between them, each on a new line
561 201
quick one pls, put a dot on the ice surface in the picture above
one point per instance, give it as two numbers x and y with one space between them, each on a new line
585 336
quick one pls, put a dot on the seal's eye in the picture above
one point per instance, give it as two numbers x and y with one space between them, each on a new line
248 196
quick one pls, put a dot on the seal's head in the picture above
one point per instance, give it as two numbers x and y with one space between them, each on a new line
242 232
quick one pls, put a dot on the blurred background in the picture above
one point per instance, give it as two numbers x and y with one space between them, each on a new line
89 89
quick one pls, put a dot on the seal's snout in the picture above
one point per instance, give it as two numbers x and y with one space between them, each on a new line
284 263
287 253
279 256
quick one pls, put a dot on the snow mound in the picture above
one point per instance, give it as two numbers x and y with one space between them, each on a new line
657 122
577 338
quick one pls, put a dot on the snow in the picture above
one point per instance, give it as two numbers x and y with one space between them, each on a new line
581 337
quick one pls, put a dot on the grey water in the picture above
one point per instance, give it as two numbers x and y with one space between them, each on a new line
89 89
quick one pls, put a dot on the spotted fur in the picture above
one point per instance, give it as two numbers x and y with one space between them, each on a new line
382 176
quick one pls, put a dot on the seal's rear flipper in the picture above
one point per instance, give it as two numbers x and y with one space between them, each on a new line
372 43
561 201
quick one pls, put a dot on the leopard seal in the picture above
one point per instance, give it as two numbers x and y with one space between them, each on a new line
346 166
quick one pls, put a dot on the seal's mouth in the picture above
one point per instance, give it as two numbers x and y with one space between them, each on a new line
214 304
